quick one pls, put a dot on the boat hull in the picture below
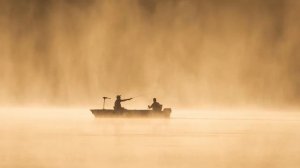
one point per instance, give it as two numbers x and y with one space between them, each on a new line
109 113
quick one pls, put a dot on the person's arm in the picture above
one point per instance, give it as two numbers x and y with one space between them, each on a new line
151 106
126 99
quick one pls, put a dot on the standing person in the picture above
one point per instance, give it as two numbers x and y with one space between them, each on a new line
118 101
155 105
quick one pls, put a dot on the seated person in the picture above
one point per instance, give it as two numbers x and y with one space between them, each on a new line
118 101
155 105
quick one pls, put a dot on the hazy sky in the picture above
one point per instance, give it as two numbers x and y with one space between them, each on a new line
188 53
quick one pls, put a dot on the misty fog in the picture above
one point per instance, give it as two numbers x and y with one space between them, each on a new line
187 53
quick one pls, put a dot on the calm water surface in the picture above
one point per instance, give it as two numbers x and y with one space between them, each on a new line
74 138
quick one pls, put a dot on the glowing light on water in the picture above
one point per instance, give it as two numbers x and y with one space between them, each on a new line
211 138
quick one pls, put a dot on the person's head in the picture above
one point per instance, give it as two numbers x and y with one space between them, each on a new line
154 99
118 97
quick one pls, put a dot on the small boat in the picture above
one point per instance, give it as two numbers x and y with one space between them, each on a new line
108 113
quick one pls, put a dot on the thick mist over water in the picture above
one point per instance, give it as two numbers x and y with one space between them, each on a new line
186 53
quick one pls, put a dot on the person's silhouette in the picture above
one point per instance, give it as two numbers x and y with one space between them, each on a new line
118 101
155 105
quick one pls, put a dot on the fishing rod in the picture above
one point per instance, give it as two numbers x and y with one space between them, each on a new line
141 95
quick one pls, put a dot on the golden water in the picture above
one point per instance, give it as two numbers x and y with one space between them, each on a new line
203 138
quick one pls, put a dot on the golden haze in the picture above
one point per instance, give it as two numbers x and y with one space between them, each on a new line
191 53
